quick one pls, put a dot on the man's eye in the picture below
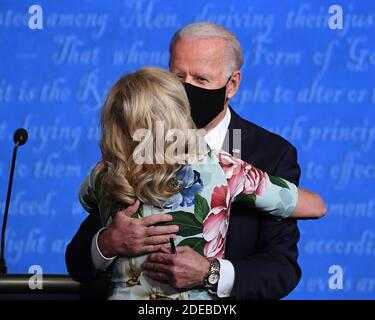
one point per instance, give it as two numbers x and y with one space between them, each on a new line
201 79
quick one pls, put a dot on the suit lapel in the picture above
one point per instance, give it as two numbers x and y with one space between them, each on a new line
236 123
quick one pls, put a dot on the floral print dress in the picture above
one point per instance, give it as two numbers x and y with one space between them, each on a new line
201 210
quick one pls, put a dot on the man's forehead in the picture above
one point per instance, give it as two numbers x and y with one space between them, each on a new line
203 56
214 46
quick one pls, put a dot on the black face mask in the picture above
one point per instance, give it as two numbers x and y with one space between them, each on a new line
205 104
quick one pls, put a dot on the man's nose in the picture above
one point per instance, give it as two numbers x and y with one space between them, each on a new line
187 79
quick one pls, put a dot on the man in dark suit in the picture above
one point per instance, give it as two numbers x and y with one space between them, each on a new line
261 252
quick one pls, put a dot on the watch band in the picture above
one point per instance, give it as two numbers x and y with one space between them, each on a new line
212 278
215 265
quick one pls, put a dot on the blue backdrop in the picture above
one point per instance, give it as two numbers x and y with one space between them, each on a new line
313 85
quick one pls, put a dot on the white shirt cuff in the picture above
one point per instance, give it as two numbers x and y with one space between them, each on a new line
99 261
226 280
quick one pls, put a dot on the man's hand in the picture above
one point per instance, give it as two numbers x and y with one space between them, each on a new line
130 237
186 269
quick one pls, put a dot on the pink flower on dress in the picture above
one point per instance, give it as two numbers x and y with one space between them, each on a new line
256 181
242 177
230 164
234 173
215 226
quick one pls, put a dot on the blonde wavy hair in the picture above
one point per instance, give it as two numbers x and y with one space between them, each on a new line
138 101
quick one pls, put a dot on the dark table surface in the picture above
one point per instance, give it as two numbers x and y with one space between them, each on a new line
53 286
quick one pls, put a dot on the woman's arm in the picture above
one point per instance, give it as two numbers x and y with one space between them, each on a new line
267 193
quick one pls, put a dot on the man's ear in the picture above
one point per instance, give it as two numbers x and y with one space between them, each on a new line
234 84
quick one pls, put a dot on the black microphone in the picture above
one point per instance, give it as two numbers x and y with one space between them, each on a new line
19 138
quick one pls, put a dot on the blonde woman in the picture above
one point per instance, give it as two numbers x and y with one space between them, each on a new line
152 155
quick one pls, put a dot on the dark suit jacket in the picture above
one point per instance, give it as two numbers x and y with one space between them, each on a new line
262 249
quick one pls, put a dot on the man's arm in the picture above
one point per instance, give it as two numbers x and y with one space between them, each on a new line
78 253
123 236
272 272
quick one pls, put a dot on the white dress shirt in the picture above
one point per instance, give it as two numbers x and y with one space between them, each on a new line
215 139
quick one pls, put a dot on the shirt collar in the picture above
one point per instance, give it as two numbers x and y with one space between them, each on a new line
216 136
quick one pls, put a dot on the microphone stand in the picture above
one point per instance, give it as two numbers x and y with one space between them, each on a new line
3 266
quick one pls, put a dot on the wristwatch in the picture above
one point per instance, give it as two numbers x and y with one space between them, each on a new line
212 278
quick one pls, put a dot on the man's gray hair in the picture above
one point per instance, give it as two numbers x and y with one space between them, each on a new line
205 30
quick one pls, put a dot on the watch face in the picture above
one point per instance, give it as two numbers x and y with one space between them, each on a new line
213 278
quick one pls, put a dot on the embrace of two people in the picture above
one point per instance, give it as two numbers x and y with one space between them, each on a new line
233 220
